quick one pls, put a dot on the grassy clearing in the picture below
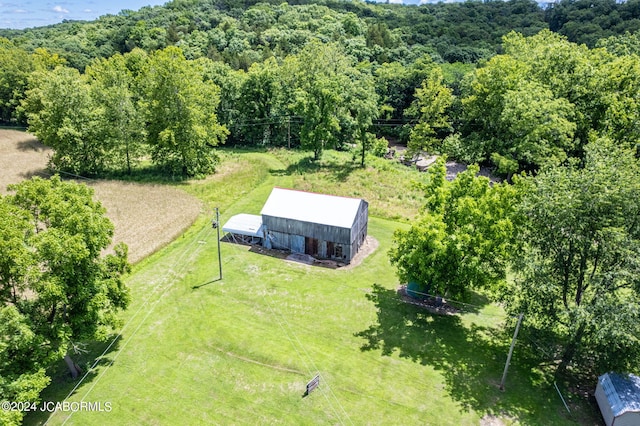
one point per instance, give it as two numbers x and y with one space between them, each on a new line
197 350
387 185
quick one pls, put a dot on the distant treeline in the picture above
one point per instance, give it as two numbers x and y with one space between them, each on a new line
480 82
244 32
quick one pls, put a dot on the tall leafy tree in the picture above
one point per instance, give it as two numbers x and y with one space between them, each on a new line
536 127
261 109
621 88
319 87
119 122
362 110
323 80
464 237
622 45
180 106
571 72
15 66
578 278
72 293
538 103
396 85
57 289
22 370
432 101
62 114
24 354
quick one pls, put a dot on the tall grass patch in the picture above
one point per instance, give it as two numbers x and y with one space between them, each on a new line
387 185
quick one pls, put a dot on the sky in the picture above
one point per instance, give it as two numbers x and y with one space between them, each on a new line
20 14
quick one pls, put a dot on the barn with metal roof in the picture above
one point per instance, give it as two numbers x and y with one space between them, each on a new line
618 397
319 225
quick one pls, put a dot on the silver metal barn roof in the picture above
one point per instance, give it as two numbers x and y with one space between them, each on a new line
311 207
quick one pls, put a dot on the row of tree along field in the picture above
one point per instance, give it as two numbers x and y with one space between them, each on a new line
537 103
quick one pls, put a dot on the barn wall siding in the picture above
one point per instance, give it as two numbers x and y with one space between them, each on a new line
359 228
278 240
296 244
322 249
308 229
290 234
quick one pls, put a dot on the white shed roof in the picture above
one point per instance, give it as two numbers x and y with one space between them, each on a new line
622 391
311 207
245 224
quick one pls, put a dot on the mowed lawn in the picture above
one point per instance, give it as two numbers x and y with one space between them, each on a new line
199 350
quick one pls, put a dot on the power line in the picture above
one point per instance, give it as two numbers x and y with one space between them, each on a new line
299 344
163 282
463 304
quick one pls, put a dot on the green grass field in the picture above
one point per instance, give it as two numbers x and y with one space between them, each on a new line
198 350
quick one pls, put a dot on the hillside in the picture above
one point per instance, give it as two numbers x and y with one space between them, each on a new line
244 32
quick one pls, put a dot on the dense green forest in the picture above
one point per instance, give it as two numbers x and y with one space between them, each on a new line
548 98
449 78
244 32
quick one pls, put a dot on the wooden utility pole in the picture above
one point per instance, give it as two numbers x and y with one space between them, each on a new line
219 255
513 343
216 224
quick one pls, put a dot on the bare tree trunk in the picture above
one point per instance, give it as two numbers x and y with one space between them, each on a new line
570 350
74 368
364 150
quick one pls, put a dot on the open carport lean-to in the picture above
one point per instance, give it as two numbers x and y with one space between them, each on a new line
245 228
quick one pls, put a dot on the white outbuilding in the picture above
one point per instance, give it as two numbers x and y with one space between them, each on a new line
618 397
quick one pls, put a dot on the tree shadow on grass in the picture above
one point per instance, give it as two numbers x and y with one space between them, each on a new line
471 359
92 359
336 171
32 144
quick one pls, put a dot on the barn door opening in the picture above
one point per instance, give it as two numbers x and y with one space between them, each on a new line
311 246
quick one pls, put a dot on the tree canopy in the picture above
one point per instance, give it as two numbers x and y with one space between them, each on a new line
56 287
463 239
124 107
539 102
578 278
181 122
533 97
331 95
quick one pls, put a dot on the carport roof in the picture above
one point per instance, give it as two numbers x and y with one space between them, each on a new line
245 224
